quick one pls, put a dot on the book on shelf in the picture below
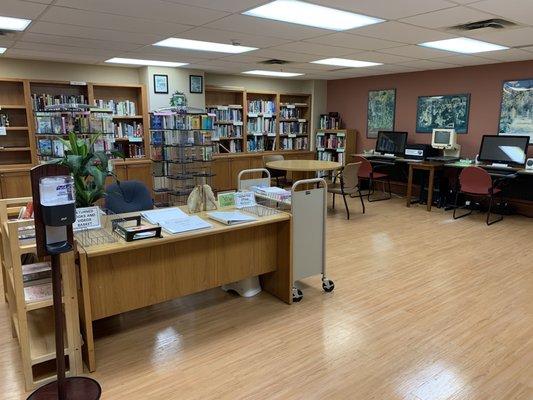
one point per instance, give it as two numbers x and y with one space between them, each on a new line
45 147
299 143
57 123
58 149
293 128
181 121
4 120
261 107
230 146
133 131
331 120
119 108
36 272
290 113
230 113
332 141
227 131
41 101
261 126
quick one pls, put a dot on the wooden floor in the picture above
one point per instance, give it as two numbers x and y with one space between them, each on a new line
425 308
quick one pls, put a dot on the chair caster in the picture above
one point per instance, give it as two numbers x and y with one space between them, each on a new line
328 285
297 295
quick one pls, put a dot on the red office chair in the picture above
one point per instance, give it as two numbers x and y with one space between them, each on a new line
476 182
368 171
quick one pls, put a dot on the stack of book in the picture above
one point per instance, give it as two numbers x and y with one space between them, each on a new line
261 107
132 131
227 131
289 112
293 128
330 121
41 101
119 108
230 113
261 126
300 143
181 121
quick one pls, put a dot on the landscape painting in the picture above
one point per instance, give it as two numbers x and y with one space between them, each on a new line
447 111
381 109
516 116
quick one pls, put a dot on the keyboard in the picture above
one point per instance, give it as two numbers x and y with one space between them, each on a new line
445 159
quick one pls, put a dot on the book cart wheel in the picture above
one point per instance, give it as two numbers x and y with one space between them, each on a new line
328 285
297 295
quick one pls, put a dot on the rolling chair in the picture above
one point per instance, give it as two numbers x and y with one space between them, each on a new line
275 173
369 172
476 182
128 196
348 185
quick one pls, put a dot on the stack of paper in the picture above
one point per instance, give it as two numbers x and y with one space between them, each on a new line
230 217
174 220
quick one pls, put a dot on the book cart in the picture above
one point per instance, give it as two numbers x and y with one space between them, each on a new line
307 204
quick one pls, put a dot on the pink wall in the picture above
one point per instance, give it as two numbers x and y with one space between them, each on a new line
484 83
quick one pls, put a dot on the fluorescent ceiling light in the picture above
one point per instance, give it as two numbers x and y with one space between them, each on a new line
14 24
463 45
135 61
2 50
272 73
299 12
203 46
344 62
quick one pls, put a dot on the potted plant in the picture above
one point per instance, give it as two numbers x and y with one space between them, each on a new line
89 168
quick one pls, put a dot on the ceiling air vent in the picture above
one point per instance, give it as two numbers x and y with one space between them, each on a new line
275 61
494 23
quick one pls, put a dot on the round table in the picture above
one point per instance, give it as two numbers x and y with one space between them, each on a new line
304 165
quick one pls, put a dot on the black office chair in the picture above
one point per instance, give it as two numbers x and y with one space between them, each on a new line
128 196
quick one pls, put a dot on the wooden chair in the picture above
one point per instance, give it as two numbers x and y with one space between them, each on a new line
275 173
348 185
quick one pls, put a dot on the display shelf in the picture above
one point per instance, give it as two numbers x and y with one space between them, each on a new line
295 113
334 144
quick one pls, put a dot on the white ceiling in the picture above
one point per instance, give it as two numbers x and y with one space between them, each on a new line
91 31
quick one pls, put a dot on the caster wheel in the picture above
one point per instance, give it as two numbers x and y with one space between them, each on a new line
297 295
328 285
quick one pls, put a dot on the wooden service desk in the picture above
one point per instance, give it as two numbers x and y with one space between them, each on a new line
125 276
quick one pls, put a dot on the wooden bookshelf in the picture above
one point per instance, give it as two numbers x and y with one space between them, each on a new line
334 144
294 122
259 137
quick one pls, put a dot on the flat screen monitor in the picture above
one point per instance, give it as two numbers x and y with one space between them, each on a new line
504 149
391 142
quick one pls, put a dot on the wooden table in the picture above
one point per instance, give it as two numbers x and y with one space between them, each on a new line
425 166
124 276
304 165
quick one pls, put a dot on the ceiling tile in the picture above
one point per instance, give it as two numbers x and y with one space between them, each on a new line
516 10
530 48
93 33
153 9
109 21
259 26
222 5
507 55
465 60
58 57
220 36
418 52
506 37
245 58
181 55
355 42
448 17
52 48
21 9
313 48
400 32
427 64
78 42
387 9
284 55
374 56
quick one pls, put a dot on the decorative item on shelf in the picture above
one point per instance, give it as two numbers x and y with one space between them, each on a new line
201 199
381 111
447 111
89 168
516 115
160 84
196 84
179 101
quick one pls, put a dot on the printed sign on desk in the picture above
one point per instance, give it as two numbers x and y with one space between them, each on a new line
226 199
87 218
244 199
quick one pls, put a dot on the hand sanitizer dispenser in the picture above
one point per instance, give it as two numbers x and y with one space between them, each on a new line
58 207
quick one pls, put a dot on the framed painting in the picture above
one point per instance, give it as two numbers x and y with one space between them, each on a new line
160 84
446 111
381 111
196 84
516 112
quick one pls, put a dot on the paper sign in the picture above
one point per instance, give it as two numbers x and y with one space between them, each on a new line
267 115
291 106
244 199
226 199
252 115
222 108
3 131
237 123
87 218
78 83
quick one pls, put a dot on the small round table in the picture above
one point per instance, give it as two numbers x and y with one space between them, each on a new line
304 165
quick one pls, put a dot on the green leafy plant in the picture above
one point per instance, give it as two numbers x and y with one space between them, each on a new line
89 168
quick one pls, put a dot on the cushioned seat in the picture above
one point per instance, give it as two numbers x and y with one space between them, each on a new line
128 196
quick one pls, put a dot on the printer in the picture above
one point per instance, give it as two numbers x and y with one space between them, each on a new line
417 151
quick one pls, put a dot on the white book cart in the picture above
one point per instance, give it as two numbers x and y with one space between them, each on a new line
307 204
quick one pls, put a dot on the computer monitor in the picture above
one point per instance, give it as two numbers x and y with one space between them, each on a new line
504 149
444 139
391 142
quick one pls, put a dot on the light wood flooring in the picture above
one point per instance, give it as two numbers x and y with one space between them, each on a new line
425 308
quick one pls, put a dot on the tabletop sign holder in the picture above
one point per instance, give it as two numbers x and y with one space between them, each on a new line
54 213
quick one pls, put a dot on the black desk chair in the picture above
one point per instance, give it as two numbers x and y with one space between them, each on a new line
128 196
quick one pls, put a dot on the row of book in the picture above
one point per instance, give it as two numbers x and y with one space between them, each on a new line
230 146
41 101
291 113
297 128
182 121
300 143
330 156
130 150
261 126
227 131
260 143
54 148
180 138
183 154
330 121
330 142
79 122
121 108
262 107
226 113
131 130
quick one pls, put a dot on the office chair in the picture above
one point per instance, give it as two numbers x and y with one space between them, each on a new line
275 173
128 196
476 182
369 172
348 185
